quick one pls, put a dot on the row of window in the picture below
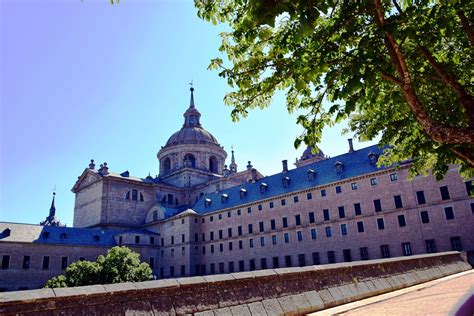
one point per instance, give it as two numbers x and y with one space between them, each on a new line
347 256
45 264
398 202
134 195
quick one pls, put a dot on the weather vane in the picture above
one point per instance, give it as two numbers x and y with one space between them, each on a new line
191 84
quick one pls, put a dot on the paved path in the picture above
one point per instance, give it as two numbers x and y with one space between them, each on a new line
446 296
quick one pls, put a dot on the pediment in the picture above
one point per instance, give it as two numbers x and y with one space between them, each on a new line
87 178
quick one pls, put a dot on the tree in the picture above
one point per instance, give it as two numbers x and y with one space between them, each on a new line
401 70
119 265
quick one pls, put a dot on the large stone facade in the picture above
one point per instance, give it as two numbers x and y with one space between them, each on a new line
200 216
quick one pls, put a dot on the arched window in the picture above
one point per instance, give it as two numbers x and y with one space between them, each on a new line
189 161
127 196
166 166
213 164
141 197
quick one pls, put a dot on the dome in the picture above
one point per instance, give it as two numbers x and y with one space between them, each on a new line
308 153
191 135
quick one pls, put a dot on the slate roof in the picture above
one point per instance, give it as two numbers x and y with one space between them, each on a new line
74 236
354 164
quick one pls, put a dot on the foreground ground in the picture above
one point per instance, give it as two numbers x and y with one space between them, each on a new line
447 296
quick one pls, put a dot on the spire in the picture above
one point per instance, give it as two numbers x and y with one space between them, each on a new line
52 209
233 165
191 102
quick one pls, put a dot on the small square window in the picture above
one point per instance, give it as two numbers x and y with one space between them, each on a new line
283 202
393 177
354 186
309 196
249 210
260 207
338 189
295 199
323 192
271 204
373 182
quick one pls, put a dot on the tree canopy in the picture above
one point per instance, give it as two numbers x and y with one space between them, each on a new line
119 265
400 69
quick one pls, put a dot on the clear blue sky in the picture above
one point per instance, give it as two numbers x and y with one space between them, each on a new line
86 79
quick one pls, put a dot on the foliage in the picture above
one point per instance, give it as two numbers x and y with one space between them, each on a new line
119 265
399 70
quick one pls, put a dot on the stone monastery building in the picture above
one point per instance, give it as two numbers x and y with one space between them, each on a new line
200 216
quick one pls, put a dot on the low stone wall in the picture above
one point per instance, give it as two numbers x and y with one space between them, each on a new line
266 292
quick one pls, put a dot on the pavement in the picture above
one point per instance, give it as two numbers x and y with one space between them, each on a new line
451 295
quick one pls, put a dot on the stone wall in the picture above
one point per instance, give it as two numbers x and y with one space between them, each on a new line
280 291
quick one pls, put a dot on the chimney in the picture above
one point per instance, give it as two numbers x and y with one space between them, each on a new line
351 147
254 175
285 165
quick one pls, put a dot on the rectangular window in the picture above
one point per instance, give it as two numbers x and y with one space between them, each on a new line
212 268
373 182
354 186
260 207
299 235
377 205
274 239
262 241
313 233
229 214
241 244
229 232
152 263
328 231
472 208
338 189
183 238
420 197
26 262
406 247
252 264
172 270
283 202
469 187
211 236
249 210
231 267
357 209
212 248
221 247
211 218
271 204
241 265
298 220
203 251
316 259
380 223
444 193
364 253
425 218
221 267
272 224
288 262
260 226
309 196
295 199
430 246
152 240
331 257
456 243
285 222
393 177
137 239
360 227
230 246
343 229
45 262
448 211
221 234
275 262
311 217
342 213
301 260
401 221
286 237
398 201
346 253
385 251
219 217
323 192
239 230
326 214
64 263
250 229
239 212
250 243
263 263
